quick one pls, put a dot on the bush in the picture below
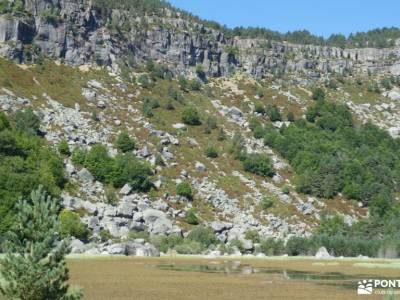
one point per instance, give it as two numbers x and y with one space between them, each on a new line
258 164
71 225
211 152
184 189
183 83
318 94
98 162
272 247
211 124
290 117
285 189
26 161
191 217
144 81
111 195
259 132
252 235
238 244
297 246
259 108
79 156
133 235
274 114
27 121
267 202
4 123
63 147
189 247
149 104
165 243
195 85
124 143
203 235
221 135
191 116
129 169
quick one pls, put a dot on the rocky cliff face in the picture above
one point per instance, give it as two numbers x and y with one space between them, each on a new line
73 31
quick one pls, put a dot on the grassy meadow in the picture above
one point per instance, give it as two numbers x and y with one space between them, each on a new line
123 278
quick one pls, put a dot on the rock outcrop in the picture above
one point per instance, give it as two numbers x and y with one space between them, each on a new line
77 33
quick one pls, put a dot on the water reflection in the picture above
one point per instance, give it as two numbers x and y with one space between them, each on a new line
237 268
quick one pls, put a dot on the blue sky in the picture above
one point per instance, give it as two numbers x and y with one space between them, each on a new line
318 16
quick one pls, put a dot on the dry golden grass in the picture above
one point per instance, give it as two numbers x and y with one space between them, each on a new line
139 278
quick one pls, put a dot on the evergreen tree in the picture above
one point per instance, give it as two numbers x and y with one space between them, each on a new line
34 266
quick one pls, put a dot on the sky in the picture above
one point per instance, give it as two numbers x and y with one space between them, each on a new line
321 17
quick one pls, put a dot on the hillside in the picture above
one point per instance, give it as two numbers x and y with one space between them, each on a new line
166 124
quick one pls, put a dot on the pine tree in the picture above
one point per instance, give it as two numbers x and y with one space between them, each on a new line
34 266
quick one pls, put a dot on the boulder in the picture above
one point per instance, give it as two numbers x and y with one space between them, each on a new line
89 94
85 176
117 249
234 111
179 126
145 152
157 222
126 189
218 226
77 246
248 245
200 167
322 253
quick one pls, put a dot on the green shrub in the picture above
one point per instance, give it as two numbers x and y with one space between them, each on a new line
290 117
27 121
184 189
149 104
183 83
272 247
26 161
98 162
259 108
258 164
105 235
318 94
144 81
124 143
297 246
191 217
189 247
238 244
211 152
267 202
71 225
111 195
195 85
63 147
164 243
254 123
203 235
129 169
221 135
252 235
211 124
274 114
285 189
191 116
259 132
79 156
4 123
133 235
